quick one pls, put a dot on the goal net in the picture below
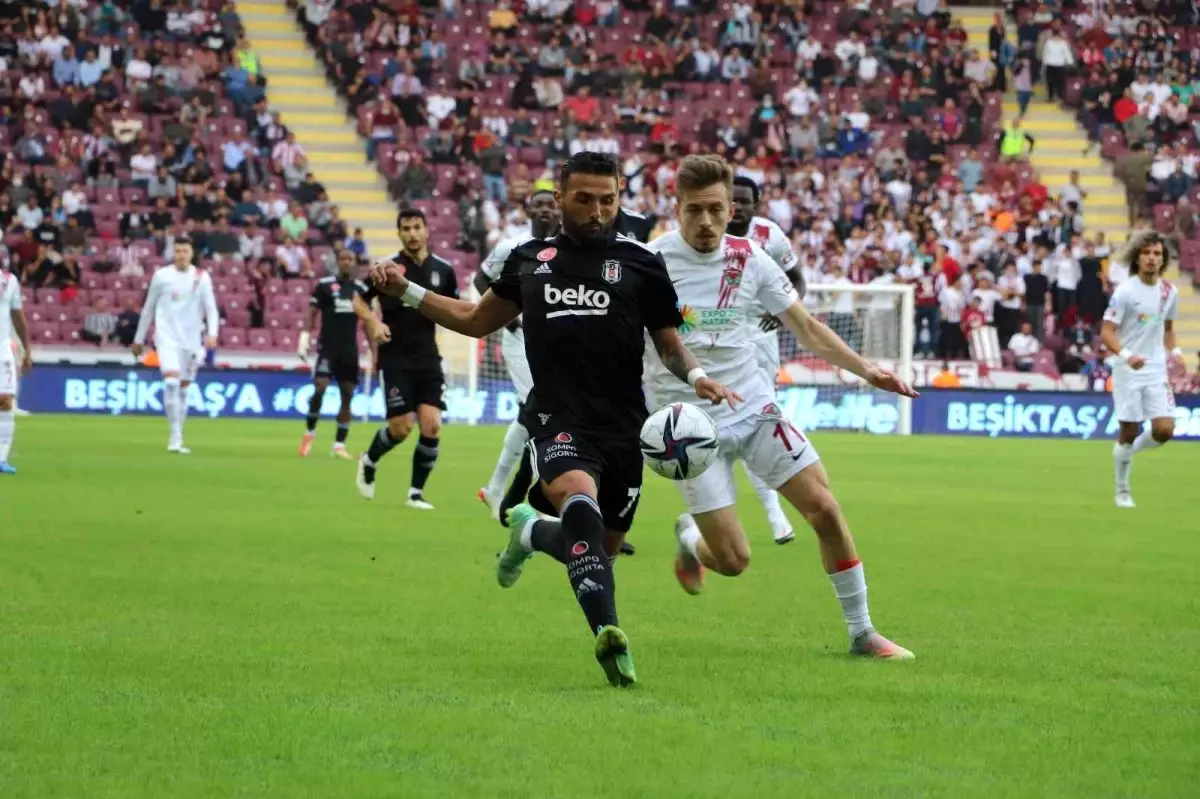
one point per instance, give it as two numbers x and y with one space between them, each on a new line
876 320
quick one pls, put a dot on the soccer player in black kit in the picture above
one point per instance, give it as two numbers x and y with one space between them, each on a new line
337 348
410 366
588 297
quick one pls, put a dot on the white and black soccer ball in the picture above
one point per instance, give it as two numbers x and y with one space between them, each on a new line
679 441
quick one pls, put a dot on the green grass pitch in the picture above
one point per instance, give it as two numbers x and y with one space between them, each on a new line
240 624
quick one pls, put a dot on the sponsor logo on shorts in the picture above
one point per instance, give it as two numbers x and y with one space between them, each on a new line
583 564
559 451
563 438
547 254
544 418
588 586
580 549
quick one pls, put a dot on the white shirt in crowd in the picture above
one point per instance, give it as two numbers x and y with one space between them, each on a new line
1023 347
988 297
720 320
953 302
1015 283
10 300
182 305
1140 312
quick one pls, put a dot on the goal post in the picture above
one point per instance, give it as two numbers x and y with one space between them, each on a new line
877 321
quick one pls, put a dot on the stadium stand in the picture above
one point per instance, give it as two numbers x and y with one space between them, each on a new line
887 138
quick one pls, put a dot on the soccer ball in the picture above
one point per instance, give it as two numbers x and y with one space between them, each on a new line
679 441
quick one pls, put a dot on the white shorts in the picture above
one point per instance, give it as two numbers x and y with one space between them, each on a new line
183 360
1139 402
512 345
767 354
8 371
773 449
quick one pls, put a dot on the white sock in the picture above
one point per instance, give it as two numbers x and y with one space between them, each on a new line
514 444
171 407
770 501
527 535
1122 464
850 585
7 425
690 537
181 417
1145 441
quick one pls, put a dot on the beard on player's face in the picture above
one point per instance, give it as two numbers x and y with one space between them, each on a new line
588 230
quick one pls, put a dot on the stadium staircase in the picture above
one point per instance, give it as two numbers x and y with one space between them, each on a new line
1059 149
297 89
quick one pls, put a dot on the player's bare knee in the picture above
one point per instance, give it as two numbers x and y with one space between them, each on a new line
399 427
731 557
431 429
1163 430
6 402
824 515
319 386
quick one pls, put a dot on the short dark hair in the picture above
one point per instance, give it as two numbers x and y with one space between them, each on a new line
410 213
536 192
588 163
742 180
184 240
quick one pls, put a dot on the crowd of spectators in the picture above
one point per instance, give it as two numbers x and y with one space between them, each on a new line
124 123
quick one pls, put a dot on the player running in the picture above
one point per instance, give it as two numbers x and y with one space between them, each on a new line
588 295
12 319
774 241
1139 325
723 282
410 366
337 349
182 305
544 223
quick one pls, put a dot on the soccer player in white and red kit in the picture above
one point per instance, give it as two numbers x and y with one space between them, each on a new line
12 319
181 303
774 242
1139 327
722 282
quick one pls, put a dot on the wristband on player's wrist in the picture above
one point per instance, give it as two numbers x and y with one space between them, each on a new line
1177 352
413 295
1124 355
695 376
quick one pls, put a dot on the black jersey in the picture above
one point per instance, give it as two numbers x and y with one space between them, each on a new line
414 338
586 309
334 298
635 226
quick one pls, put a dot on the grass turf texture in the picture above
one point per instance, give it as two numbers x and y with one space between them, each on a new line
240 624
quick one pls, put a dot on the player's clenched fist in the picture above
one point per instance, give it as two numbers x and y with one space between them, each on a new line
378 332
388 277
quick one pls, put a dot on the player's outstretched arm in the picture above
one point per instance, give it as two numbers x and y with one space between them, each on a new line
148 311
828 346
680 362
474 319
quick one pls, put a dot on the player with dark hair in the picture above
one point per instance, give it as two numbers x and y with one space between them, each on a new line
587 296
337 348
410 366
766 234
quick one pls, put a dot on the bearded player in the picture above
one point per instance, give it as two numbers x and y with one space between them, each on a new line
774 242
181 303
588 297
1139 325
723 281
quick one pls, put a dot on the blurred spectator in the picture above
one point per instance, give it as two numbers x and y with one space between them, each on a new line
1024 346
100 324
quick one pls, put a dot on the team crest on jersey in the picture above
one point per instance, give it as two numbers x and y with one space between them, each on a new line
547 254
435 280
334 287
563 438
611 271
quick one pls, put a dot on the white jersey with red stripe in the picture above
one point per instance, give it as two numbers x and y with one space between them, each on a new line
10 300
721 294
1140 312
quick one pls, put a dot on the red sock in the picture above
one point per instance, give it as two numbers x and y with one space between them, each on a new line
843 565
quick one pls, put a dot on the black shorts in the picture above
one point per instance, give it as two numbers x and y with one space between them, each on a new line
616 468
406 388
337 369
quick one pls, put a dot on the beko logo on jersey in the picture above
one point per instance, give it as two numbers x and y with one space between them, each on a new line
580 301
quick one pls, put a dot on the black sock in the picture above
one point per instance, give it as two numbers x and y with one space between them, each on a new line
381 444
314 412
548 537
342 431
424 457
588 569
519 486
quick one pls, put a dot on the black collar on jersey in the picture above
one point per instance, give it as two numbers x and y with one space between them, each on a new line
402 257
